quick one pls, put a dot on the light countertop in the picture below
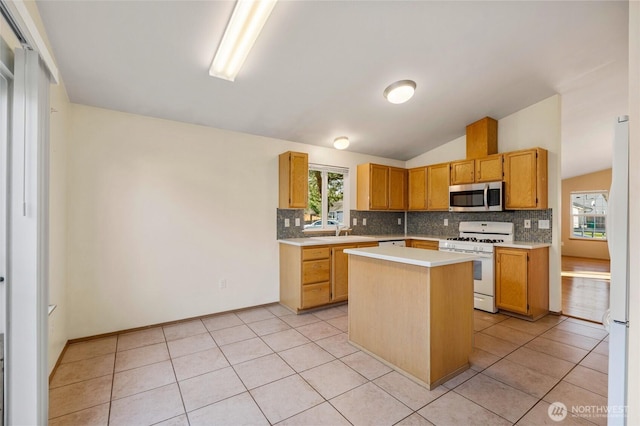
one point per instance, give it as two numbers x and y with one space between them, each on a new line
348 239
523 245
412 256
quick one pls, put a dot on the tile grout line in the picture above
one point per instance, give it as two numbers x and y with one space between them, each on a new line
166 342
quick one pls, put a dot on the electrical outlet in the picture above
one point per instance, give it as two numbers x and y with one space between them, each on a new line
364 221
222 284
355 221
297 221
446 222
399 221
286 223
543 224
527 223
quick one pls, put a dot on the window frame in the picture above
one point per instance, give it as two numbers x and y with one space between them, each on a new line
573 215
325 170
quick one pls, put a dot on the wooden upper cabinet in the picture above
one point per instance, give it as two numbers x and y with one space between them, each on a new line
381 187
397 188
417 188
525 179
463 172
294 180
489 169
438 187
482 138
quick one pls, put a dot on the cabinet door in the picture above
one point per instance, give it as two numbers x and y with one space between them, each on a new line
418 188
340 273
489 169
378 187
511 280
462 172
294 180
427 245
520 180
397 188
438 187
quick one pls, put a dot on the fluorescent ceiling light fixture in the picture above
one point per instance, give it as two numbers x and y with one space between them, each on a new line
341 142
400 91
247 20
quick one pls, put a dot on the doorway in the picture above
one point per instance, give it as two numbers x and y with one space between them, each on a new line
585 287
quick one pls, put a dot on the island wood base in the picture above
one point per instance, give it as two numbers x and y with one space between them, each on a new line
417 319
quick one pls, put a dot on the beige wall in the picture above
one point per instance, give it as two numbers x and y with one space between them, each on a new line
160 211
535 126
575 247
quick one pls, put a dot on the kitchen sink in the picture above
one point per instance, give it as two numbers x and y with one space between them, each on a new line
344 239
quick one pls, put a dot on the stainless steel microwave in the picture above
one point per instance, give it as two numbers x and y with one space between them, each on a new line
476 197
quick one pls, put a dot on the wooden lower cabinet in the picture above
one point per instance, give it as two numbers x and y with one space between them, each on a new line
522 282
424 244
314 276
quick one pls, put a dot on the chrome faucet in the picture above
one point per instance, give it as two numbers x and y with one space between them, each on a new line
337 229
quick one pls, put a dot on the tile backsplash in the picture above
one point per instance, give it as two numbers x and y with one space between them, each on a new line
425 223
432 223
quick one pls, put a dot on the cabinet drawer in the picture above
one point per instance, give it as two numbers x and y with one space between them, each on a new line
315 271
315 295
313 253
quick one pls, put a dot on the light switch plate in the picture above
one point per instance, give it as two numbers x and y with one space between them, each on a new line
399 221
364 222
297 221
527 223
446 222
287 223
355 221
543 224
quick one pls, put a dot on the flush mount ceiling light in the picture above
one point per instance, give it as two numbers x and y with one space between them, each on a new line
247 20
400 91
341 142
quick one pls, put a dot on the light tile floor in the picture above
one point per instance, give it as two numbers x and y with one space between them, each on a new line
267 366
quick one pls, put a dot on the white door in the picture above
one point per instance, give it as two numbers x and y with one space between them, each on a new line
4 131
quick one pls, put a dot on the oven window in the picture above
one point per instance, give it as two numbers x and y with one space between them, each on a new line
477 270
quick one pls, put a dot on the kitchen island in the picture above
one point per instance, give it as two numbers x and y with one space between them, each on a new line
413 310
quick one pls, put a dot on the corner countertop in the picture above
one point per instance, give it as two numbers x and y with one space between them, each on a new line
411 256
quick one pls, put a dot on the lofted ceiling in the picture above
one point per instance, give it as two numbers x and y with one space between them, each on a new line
319 68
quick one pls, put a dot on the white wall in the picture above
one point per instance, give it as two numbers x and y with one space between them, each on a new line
535 126
58 222
160 211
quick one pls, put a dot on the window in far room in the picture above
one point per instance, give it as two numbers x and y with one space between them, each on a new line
588 215
328 199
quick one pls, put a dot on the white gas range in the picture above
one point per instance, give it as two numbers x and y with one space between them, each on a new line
479 238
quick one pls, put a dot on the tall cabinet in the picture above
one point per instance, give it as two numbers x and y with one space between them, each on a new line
293 180
525 179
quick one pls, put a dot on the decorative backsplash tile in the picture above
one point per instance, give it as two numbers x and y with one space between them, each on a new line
432 223
425 223
378 223
291 231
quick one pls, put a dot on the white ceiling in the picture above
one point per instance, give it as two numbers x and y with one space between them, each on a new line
319 68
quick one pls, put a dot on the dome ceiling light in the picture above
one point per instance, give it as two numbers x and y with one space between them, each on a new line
341 142
400 91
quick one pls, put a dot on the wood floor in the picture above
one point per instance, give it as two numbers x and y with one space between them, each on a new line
585 288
